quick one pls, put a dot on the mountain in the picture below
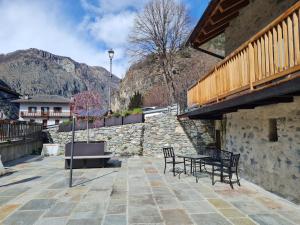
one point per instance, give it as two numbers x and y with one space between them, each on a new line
146 77
35 71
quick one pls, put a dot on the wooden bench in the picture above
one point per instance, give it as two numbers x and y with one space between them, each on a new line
87 155
92 157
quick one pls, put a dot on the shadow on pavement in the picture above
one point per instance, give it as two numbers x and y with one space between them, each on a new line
84 182
21 181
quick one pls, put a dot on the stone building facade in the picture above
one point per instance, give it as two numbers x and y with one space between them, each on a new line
147 138
251 19
268 139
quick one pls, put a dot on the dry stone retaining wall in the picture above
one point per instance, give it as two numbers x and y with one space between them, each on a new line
147 138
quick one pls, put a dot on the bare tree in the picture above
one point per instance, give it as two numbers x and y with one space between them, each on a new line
160 29
156 96
84 102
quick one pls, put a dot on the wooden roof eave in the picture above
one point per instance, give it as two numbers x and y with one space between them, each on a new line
219 12
255 37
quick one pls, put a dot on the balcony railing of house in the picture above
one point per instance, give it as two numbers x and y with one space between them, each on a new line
19 130
45 114
270 55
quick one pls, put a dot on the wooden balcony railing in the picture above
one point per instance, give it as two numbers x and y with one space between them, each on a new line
45 114
271 54
19 130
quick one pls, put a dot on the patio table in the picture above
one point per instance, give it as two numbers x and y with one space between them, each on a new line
192 158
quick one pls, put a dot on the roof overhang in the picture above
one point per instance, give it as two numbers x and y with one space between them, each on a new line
214 20
280 92
9 91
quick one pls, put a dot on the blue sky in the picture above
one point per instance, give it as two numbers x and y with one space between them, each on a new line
81 29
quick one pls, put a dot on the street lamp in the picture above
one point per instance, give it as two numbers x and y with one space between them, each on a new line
110 55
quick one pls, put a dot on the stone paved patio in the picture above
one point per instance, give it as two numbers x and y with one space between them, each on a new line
136 193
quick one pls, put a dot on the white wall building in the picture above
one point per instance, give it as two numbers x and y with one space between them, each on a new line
48 110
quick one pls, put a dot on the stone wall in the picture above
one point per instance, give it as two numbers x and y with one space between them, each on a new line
147 138
273 165
186 136
18 149
123 140
251 19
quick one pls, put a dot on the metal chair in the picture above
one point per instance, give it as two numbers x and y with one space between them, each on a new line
170 158
227 168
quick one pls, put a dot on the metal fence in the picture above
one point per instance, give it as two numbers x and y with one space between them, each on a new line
103 122
19 130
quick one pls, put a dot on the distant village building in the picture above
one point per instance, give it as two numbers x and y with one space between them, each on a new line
48 110
8 110
252 96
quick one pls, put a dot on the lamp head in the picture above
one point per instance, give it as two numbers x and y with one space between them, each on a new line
111 53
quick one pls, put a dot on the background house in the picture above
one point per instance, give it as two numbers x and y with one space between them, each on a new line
8 110
46 109
252 96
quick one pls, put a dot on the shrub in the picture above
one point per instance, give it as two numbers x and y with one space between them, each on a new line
126 113
136 101
136 111
116 114
68 122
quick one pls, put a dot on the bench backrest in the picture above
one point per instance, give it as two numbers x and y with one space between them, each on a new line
84 149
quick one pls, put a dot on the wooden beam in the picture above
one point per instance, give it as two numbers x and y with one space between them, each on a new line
207 38
217 12
229 11
228 4
211 27
209 53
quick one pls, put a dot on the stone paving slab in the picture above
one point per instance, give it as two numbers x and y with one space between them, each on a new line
176 216
23 218
138 193
39 204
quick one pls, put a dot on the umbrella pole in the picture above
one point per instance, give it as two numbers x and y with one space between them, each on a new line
72 151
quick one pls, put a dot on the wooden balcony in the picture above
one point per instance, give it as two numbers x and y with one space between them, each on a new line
45 115
272 56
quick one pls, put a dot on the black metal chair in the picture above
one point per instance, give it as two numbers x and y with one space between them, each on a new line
227 168
214 158
170 158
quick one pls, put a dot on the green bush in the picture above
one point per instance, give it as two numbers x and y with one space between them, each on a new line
67 122
136 101
116 114
136 111
126 113
132 112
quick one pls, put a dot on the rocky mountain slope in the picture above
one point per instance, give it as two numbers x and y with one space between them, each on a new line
36 71
146 77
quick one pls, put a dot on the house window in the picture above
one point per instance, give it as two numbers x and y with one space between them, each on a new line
32 109
273 134
56 122
57 109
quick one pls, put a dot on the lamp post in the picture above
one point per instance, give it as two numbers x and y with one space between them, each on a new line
110 55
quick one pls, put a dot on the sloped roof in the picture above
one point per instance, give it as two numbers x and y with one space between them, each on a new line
214 20
44 99
5 88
